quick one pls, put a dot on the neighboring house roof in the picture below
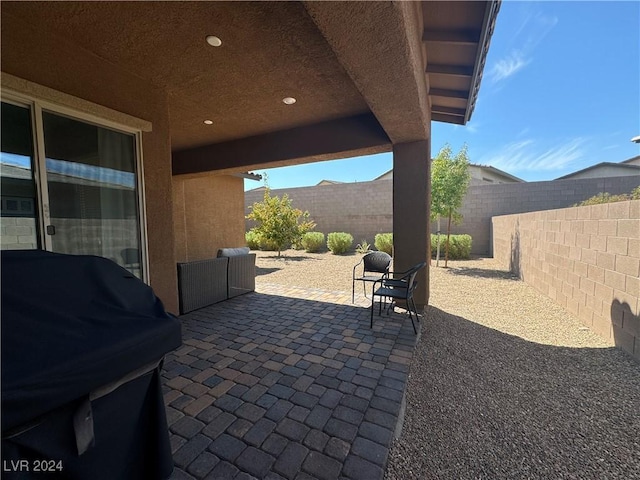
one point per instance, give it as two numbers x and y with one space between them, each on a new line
494 170
256 189
499 172
328 182
624 168
385 175
633 160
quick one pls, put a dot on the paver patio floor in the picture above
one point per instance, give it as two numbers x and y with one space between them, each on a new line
286 383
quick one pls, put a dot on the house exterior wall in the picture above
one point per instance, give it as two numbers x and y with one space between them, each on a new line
479 175
66 68
208 214
364 209
483 176
606 171
586 259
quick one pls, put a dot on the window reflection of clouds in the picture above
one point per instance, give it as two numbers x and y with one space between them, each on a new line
73 169
15 160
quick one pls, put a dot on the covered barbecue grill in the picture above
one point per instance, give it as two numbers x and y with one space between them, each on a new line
82 345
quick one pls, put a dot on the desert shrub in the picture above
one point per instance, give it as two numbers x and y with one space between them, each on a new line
255 241
459 246
313 241
339 242
384 242
279 225
635 193
363 247
252 239
604 198
268 245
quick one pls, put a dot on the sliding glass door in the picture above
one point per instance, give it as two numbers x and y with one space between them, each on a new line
19 224
89 195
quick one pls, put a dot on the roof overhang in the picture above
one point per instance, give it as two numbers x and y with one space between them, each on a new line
366 75
457 37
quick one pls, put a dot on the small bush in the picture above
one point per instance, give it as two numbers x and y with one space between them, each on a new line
459 246
363 247
339 242
312 241
635 193
267 245
605 198
384 242
252 239
255 241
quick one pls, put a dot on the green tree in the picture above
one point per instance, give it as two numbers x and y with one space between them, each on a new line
449 182
278 222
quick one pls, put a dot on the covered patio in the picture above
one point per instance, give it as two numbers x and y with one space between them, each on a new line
281 383
209 90
287 383
502 383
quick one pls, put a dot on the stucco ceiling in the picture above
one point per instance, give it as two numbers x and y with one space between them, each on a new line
387 66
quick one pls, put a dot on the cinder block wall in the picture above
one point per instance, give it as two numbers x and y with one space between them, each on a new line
587 259
364 209
18 233
485 201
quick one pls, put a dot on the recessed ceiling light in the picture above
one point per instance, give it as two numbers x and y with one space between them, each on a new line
208 122
289 100
213 41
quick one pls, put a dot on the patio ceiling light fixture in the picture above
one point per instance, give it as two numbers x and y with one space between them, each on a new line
213 41
208 122
289 100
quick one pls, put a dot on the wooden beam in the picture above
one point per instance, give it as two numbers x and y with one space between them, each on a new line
441 117
441 92
460 112
344 137
460 37
452 70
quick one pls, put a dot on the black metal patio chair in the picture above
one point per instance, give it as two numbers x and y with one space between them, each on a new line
375 265
398 286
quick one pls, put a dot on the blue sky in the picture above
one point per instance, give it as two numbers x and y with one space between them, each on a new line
560 92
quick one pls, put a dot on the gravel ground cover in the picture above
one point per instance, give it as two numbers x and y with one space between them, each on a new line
503 384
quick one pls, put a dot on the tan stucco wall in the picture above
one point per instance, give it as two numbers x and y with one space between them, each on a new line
41 56
208 213
411 206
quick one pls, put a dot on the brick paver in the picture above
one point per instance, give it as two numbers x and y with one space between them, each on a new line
286 383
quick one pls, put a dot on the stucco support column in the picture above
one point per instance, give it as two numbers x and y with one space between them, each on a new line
411 190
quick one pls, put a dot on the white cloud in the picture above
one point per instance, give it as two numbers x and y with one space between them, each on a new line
527 155
526 38
508 66
473 127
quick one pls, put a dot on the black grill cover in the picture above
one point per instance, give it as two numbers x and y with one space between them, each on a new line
70 325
